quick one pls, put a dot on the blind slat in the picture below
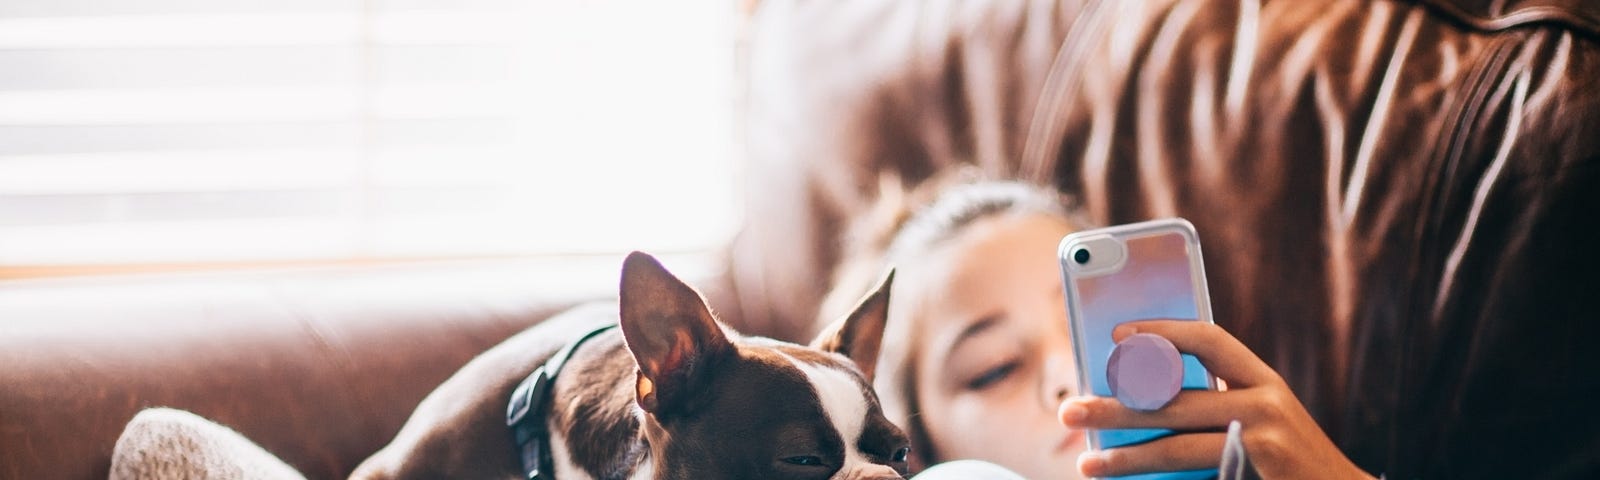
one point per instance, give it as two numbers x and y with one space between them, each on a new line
245 104
177 171
260 30
49 211
46 69
220 240
241 170
69 8
400 133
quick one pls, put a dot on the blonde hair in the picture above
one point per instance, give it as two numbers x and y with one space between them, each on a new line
905 222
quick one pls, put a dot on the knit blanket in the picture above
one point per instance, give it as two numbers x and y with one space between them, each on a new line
169 444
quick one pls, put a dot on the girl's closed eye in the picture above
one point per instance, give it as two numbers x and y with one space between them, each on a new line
994 375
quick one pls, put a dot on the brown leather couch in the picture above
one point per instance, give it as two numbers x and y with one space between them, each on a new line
1397 201
318 366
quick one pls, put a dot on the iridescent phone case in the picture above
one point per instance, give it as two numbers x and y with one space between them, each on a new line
1146 270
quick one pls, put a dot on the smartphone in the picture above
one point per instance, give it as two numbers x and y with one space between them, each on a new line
1139 271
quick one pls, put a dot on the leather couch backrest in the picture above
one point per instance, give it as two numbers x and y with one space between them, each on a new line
1395 198
1578 15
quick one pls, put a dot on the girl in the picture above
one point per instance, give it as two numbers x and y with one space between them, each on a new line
977 357
981 357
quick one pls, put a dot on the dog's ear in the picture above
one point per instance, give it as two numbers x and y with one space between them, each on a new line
671 334
859 335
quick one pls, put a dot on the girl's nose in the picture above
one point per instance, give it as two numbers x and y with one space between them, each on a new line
1057 380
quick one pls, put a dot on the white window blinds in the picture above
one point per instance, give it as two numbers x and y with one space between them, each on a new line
147 131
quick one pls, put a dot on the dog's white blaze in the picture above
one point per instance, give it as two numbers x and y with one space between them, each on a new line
563 458
568 470
845 404
645 471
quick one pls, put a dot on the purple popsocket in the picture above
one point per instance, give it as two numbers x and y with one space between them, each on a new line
1145 371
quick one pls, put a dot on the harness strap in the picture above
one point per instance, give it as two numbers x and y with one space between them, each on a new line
530 402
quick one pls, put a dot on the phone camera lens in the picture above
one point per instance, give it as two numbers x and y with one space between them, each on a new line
1081 256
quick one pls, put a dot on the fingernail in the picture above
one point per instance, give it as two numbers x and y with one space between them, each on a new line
1124 330
1091 463
1073 412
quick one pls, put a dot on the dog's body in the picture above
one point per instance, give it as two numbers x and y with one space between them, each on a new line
670 395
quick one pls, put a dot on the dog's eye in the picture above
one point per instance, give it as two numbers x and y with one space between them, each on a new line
900 455
807 460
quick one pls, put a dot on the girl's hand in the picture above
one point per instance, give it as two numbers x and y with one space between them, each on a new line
1279 435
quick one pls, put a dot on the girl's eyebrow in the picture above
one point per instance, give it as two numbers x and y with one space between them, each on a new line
983 323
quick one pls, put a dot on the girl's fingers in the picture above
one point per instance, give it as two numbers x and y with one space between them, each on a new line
1222 354
1187 451
1190 410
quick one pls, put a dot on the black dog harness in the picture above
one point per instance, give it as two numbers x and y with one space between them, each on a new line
530 402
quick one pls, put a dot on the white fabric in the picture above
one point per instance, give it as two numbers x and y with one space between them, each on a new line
967 470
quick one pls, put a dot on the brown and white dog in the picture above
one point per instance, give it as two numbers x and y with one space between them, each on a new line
672 394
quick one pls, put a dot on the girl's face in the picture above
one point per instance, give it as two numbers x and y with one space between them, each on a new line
994 358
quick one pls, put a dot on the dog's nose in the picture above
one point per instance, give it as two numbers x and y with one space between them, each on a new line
874 472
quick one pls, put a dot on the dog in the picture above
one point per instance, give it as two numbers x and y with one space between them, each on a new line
671 394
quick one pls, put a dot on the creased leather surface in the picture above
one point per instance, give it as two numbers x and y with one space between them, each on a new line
1396 200
1580 15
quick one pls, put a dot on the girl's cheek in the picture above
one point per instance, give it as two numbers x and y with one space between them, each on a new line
1002 402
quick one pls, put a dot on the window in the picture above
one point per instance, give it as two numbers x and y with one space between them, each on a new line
178 131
